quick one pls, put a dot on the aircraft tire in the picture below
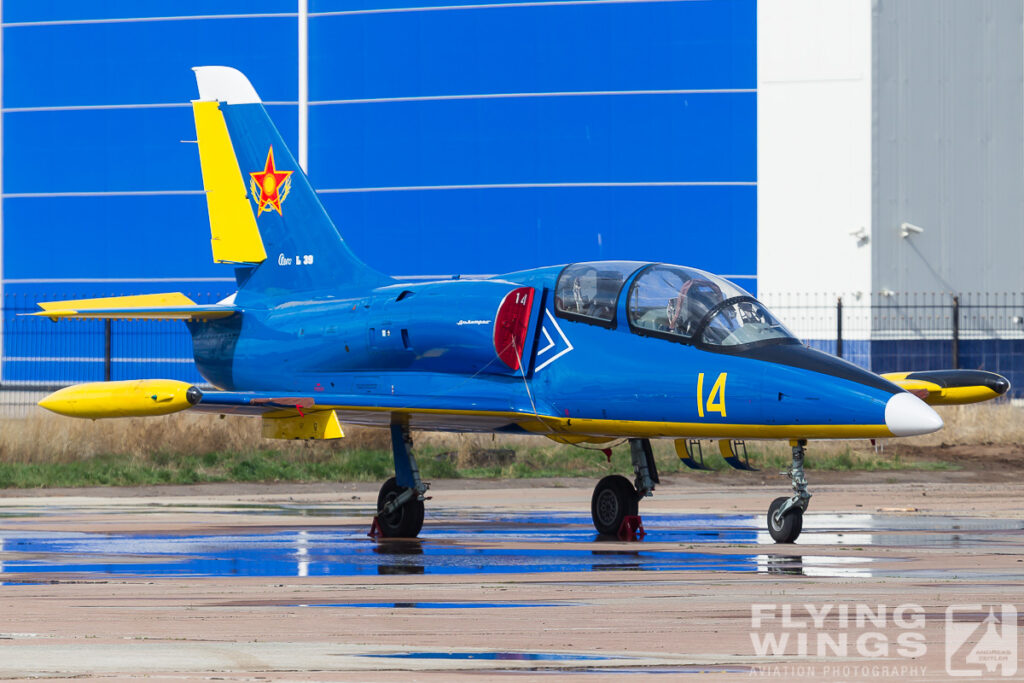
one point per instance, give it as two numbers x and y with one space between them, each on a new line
406 521
614 499
791 526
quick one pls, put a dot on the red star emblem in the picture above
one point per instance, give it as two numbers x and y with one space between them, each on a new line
270 187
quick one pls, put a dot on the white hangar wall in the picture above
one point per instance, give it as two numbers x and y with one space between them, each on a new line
814 145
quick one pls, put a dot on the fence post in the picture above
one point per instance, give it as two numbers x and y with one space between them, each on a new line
106 350
956 332
839 327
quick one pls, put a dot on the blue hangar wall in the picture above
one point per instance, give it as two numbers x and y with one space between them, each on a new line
443 139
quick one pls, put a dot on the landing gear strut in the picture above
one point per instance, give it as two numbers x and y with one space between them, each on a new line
400 501
786 515
615 498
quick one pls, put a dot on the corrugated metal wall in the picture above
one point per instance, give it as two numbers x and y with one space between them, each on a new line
445 138
584 115
949 145
627 131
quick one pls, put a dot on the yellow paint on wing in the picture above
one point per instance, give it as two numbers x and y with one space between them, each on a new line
136 301
129 314
936 395
956 396
317 424
234 235
127 308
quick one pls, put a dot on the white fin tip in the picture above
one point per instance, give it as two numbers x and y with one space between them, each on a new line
224 84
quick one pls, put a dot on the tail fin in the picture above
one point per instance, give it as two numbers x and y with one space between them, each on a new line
281 225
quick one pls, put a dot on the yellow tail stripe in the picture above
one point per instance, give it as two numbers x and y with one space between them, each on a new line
234 235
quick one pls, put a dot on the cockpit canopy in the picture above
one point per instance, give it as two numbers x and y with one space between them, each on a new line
672 302
589 292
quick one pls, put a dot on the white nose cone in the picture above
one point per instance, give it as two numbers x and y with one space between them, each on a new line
907 415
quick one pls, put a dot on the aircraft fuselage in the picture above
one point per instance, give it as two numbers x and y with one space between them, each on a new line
403 342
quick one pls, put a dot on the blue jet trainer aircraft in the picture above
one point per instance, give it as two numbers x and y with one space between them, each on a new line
584 353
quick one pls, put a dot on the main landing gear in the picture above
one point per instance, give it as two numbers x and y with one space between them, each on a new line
613 507
616 499
400 501
786 515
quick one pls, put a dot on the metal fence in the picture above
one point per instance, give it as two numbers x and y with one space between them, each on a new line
883 332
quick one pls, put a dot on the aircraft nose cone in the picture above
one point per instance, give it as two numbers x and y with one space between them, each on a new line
907 415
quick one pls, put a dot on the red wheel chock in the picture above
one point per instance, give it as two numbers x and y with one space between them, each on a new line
632 528
375 531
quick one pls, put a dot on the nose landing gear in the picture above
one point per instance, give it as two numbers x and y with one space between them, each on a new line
786 515
615 498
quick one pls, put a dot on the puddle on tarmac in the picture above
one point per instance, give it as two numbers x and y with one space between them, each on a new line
491 656
432 605
627 670
561 658
318 552
851 529
470 543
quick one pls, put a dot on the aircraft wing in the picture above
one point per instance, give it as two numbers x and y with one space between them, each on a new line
425 412
951 387
316 416
170 306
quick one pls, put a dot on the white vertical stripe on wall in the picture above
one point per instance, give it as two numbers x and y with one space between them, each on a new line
304 84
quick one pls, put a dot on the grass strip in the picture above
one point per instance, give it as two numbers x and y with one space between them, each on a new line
374 465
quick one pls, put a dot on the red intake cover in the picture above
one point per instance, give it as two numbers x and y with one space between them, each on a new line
511 324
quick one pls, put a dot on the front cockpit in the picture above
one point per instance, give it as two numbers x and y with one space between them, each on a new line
671 302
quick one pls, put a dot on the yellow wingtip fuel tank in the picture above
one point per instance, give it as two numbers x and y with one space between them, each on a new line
129 398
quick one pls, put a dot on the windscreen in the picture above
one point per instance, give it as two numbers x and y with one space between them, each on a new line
674 300
690 304
741 321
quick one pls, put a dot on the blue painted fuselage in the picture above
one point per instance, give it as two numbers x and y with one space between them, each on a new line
431 346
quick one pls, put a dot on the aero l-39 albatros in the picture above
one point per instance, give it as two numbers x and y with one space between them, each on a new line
584 353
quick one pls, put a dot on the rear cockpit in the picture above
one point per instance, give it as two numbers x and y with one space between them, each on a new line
589 292
670 302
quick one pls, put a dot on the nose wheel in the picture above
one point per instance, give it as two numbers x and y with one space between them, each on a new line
614 499
786 515
784 529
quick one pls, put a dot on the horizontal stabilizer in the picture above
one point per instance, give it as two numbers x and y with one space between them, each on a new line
171 306
951 387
